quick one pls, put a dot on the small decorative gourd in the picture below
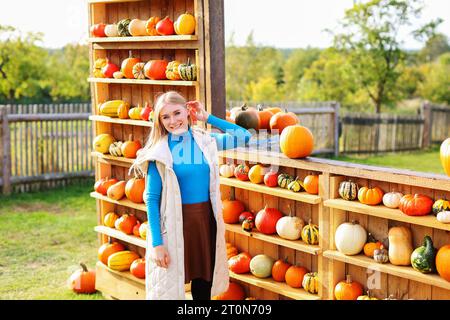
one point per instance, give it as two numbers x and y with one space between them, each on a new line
367 297
310 282
348 190
392 199
381 255
444 216
441 205
310 233
295 185
423 257
248 224
284 180
290 227
114 149
227 170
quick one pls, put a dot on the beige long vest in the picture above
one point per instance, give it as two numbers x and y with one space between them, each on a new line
168 284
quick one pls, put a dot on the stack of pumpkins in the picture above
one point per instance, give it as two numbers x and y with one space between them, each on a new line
127 223
114 189
105 143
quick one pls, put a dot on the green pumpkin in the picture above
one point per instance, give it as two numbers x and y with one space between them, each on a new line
188 71
122 28
284 180
348 190
310 282
423 258
441 205
295 185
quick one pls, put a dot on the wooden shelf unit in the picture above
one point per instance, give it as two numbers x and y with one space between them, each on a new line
144 81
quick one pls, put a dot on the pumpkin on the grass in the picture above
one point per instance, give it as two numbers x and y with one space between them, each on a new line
234 292
296 141
231 210
82 281
348 289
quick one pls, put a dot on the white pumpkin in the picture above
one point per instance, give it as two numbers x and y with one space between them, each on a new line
290 227
443 216
111 30
226 170
350 238
261 266
392 199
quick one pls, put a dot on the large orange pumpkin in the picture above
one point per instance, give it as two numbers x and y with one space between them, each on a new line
281 120
264 118
370 196
348 289
231 210
126 223
443 262
83 281
416 205
234 292
296 142
130 148
127 66
445 155
240 263
279 269
134 190
294 276
156 69
311 184
108 249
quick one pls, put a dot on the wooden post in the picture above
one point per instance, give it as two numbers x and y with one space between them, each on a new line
336 107
6 141
427 125
215 57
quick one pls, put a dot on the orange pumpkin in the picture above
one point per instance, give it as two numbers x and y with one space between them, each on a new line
129 148
231 210
279 269
281 120
127 66
156 69
83 281
296 142
150 26
126 223
274 110
370 247
348 289
443 262
104 185
240 263
311 184
108 249
294 276
370 196
137 268
231 250
264 118
134 190
234 292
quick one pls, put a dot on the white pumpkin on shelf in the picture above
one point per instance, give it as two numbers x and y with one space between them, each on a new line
227 170
350 238
111 30
290 227
443 216
392 199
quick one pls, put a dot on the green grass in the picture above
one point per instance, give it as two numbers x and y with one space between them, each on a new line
422 161
44 235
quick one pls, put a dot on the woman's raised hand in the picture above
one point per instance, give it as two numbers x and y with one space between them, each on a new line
197 109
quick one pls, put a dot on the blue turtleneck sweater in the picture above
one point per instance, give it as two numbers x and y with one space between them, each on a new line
191 169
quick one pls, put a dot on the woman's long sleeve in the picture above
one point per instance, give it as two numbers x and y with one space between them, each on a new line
234 135
153 202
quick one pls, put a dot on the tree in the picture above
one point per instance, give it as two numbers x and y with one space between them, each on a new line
371 39
435 46
435 86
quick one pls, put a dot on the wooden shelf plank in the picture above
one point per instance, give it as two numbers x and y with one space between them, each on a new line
124 202
145 81
384 212
124 274
107 158
399 271
275 239
117 234
131 122
276 191
274 286
143 39
111 1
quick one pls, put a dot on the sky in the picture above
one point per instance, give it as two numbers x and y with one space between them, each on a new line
289 24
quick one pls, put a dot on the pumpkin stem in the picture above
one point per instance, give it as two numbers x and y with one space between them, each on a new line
85 269
130 54
310 221
232 195
130 137
348 279
189 61
290 211
355 222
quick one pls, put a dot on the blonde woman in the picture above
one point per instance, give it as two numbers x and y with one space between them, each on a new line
186 241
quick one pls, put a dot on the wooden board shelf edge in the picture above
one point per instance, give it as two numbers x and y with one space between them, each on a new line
117 234
123 202
400 271
384 212
145 82
131 122
124 274
143 39
297 245
276 191
276 287
126 162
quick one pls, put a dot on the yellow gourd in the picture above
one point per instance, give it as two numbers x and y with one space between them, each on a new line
185 24
400 246
117 190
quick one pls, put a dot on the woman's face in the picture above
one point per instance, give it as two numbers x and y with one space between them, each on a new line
174 118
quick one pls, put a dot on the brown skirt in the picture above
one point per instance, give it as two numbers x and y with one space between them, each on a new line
199 231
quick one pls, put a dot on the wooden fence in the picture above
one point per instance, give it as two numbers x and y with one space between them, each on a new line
322 118
44 146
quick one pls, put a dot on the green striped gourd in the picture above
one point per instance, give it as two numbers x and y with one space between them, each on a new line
122 260
284 179
441 205
311 282
122 28
296 185
348 190
188 71
423 258
115 149
310 233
